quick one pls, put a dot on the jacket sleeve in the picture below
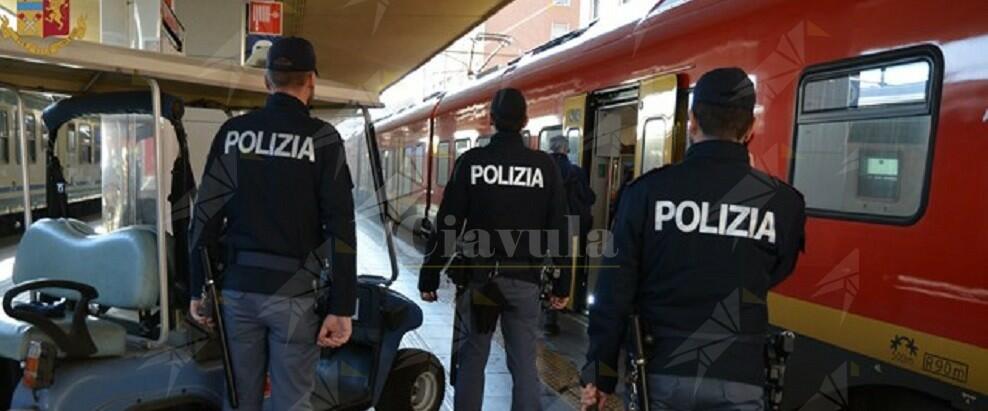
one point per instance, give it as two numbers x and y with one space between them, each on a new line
558 226
587 196
217 188
450 220
617 289
336 215
792 243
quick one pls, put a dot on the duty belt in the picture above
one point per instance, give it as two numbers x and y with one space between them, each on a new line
267 261
666 332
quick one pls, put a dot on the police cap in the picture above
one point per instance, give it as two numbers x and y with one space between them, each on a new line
509 108
725 87
292 54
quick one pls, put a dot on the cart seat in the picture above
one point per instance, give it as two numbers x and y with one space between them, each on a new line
121 266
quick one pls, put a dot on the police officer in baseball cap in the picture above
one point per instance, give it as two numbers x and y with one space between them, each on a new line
276 198
699 244
514 197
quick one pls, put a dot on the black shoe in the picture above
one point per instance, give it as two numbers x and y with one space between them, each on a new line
551 330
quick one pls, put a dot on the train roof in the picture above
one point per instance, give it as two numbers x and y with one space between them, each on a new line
83 67
597 34
375 43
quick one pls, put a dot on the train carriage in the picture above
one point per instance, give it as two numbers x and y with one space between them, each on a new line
79 149
874 110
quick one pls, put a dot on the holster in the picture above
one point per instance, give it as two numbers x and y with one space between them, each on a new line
457 271
486 305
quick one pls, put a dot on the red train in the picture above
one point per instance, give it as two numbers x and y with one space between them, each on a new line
875 110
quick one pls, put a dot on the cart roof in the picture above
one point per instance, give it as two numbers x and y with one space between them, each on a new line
83 67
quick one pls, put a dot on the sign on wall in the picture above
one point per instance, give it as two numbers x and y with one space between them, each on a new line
265 18
172 27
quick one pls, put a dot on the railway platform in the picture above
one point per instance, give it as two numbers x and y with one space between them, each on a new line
559 356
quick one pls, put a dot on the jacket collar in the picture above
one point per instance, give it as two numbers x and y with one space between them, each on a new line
284 101
506 138
718 149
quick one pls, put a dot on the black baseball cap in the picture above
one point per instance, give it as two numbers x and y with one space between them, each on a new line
292 54
509 107
725 87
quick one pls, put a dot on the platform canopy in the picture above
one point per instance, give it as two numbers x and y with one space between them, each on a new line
373 43
83 67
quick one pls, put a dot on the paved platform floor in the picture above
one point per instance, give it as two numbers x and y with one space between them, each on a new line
558 356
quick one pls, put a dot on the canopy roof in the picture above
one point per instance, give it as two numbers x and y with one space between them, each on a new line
373 43
83 67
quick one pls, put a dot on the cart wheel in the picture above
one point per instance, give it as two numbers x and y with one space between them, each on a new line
10 376
416 382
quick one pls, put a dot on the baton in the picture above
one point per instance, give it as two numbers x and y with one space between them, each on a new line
231 382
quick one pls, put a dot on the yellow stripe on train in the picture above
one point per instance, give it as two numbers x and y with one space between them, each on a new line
947 360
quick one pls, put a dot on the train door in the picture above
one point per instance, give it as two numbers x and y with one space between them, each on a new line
632 130
610 159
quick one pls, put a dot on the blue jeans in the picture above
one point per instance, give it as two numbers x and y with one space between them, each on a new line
670 392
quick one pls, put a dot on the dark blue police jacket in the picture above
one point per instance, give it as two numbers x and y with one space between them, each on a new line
277 193
698 246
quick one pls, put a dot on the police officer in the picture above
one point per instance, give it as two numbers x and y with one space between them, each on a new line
579 198
276 200
699 244
505 206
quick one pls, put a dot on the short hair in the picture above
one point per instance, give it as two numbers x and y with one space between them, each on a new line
725 123
287 79
559 144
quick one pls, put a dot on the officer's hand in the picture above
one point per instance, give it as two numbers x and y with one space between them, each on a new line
198 314
592 398
430 296
558 303
335 331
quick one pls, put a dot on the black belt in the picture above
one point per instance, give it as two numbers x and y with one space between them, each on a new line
267 261
666 332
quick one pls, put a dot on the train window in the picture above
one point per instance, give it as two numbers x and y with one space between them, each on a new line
442 163
526 138
387 159
864 135
902 83
654 143
574 135
70 138
4 137
31 129
408 171
419 160
85 143
461 146
546 136
97 145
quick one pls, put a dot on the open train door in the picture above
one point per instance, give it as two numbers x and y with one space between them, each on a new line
661 123
574 124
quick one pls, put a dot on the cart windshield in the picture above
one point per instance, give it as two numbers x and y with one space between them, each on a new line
128 170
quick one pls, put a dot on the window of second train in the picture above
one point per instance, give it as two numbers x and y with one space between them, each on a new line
442 163
97 144
864 138
70 143
85 144
4 137
31 130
